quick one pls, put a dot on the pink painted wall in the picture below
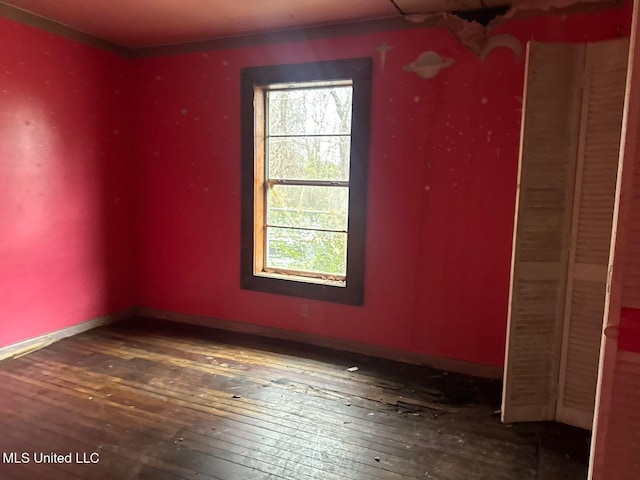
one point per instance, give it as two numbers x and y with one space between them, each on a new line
443 166
65 183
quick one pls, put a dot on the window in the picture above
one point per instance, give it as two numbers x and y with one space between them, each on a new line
305 142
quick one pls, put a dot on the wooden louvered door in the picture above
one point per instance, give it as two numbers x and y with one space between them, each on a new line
570 143
594 194
543 218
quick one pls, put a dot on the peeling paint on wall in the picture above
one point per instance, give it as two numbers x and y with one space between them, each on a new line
502 40
428 64
476 37
383 49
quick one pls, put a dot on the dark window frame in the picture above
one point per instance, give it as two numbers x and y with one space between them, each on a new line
359 71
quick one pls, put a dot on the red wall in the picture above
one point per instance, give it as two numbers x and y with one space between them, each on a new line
65 196
629 338
442 182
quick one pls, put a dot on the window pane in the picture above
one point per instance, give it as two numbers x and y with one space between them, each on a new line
309 158
312 111
307 251
324 208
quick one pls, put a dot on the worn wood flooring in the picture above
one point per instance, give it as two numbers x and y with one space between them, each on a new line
152 400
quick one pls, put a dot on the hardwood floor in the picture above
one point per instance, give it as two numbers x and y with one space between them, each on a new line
152 400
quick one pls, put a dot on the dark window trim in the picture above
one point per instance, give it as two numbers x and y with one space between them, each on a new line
359 70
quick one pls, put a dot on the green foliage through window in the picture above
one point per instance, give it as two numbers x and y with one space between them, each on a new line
307 173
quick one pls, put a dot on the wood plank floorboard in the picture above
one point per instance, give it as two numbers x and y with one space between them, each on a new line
161 401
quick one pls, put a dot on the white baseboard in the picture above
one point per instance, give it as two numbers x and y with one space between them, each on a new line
447 364
31 345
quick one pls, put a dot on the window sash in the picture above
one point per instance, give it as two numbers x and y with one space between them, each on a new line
305 135
305 183
323 276
270 182
338 279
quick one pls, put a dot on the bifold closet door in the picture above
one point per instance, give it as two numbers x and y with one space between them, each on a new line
604 80
548 152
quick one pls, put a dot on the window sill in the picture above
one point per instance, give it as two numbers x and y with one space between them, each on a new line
304 287
303 279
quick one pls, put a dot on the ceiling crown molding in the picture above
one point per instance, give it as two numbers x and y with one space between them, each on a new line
41 23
